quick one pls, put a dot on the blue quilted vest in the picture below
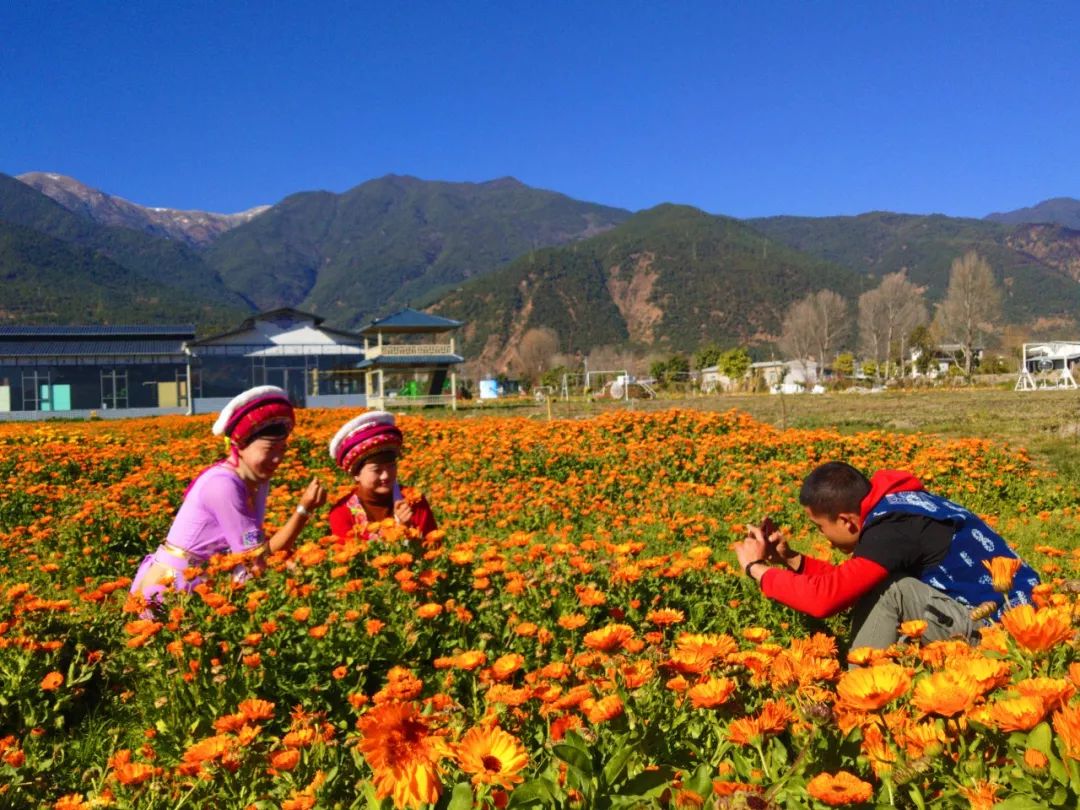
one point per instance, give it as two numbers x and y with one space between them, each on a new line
961 574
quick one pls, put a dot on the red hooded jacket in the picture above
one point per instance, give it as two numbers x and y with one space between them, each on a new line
822 589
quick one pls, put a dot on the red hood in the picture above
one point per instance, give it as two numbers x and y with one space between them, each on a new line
885 482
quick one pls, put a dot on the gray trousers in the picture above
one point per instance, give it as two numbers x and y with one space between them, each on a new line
876 618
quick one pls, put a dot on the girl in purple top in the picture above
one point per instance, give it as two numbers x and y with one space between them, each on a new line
224 506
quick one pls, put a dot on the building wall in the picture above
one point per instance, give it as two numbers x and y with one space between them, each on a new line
68 388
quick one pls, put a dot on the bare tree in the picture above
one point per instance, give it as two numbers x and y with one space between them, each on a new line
831 322
535 351
798 333
814 326
871 332
887 315
971 307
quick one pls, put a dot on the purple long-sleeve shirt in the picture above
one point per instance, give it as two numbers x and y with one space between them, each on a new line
218 517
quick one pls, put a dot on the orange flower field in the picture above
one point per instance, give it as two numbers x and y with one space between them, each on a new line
576 634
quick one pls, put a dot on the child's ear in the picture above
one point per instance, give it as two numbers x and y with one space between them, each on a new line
853 522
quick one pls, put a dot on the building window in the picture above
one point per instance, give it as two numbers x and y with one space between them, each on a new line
35 387
114 389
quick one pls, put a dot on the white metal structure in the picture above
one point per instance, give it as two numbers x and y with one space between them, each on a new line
1048 365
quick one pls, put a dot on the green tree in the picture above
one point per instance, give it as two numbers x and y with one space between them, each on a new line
922 340
708 355
668 371
734 363
844 365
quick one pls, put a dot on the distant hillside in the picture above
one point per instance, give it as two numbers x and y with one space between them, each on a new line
1064 211
1033 265
47 281
195 228
393 241
670 278
168 272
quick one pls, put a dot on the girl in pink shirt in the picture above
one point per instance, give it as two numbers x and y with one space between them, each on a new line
224 507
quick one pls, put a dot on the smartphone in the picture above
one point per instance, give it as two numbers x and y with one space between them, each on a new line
767 528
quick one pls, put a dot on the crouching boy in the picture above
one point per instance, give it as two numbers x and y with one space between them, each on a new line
914 555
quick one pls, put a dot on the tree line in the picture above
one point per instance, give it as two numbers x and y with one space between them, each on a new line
893 318
887 323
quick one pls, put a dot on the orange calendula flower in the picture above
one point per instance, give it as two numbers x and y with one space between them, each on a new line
665 617
256 709
1067 725
572 621
744 731
981 795
775 717
285 760
987 673
945 693
756 634
403 751
506 665
1035 761
714 692
914 628
1038 630
610 638
1017 714
589 596
429 611
839 789
492 756
1002 571
71 801
51 682
604 709
870 689
1053 692
877 749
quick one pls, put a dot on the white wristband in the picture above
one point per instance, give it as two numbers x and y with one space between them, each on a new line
300 510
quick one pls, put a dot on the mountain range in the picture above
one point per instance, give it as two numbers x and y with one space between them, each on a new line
502 256
196 228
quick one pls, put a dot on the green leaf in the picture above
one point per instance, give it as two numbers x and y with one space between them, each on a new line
1021 803
616 766
535 791
576 758
701 781
1041 738
647 782
461 798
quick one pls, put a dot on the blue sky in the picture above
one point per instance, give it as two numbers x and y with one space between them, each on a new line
747 109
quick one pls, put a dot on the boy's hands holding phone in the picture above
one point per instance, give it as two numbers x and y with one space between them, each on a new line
776 545
764 544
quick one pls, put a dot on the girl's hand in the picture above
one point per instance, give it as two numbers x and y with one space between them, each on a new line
403 512
314 496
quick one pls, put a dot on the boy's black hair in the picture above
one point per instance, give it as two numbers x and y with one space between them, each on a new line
833 488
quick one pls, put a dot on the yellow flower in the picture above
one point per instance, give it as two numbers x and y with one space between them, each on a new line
871 689
492 756
945 693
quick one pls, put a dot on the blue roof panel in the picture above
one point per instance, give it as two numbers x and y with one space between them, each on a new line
185 331
88 348
409 320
